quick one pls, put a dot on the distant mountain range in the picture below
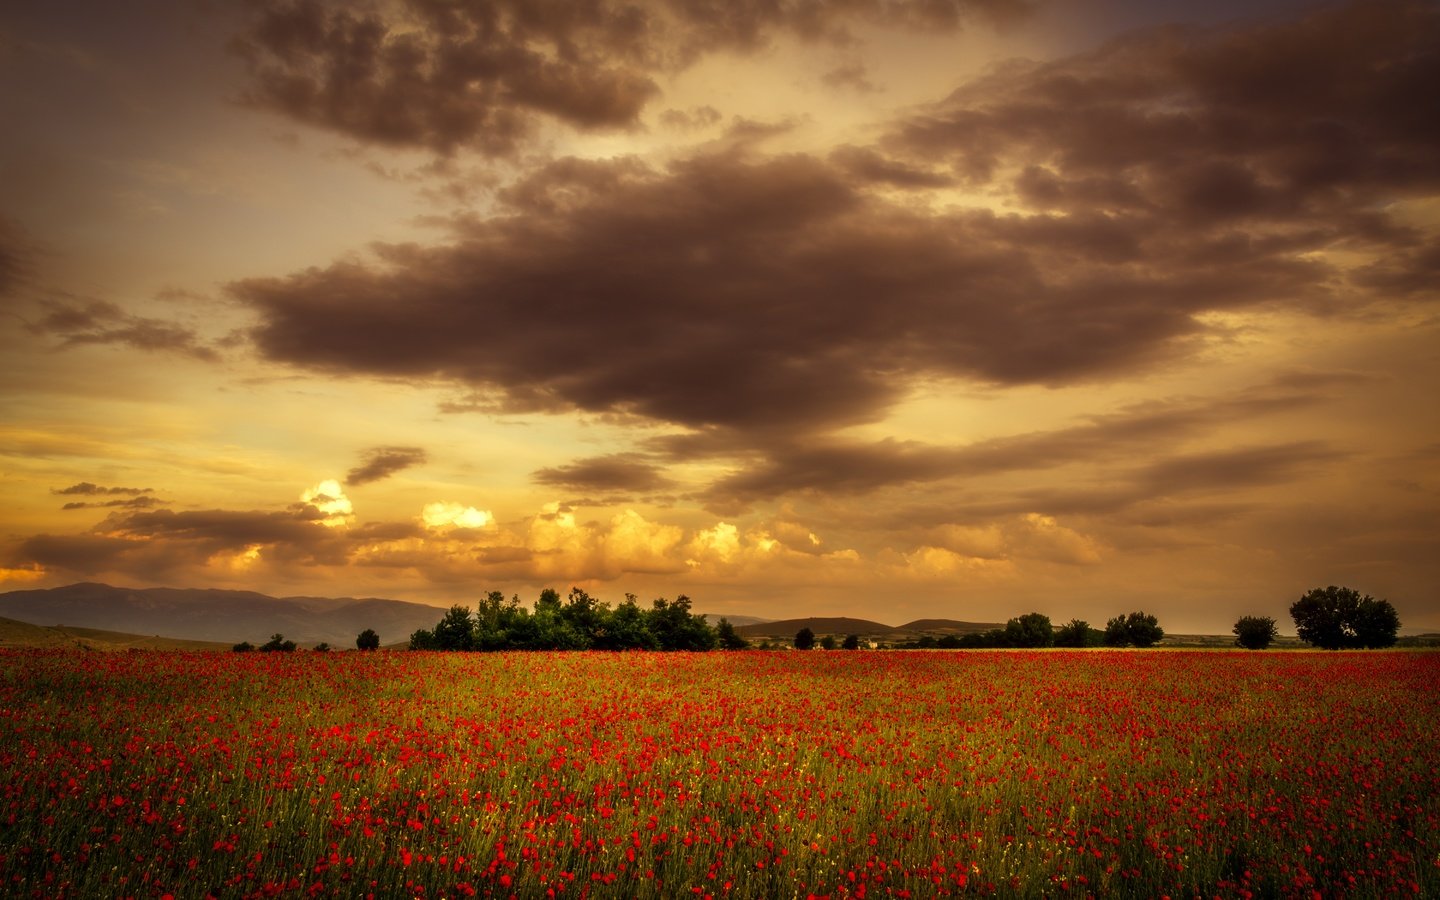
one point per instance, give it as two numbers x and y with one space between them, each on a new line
214 615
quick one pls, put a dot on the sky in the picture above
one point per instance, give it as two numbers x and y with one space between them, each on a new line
892 309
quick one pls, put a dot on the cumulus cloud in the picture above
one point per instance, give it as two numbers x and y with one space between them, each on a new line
382 462
442 515
483 75
329 502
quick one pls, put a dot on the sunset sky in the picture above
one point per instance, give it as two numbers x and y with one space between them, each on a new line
880 308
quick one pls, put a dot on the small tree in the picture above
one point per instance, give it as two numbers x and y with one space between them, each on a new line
322 647
1336 618
852 642
827 642
243 647
277 644
804 639
423 639
368 640
1255 632
729 638
456 630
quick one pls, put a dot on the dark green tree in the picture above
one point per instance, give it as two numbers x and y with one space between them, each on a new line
827 642
804 639
1338 618
1030 630
368 640
277 644
1255 632
629 628
852 642
1077 633
676 628
423 639
456 630
1137 629
322 647
728 637
243 647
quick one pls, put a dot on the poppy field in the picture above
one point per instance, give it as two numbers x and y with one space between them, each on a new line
863 774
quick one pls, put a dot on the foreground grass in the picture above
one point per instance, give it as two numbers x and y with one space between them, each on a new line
753 774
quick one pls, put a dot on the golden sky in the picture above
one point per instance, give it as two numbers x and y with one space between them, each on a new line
881 308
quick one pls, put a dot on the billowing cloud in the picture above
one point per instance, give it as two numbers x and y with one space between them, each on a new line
443 515
329 502
382 462
482 75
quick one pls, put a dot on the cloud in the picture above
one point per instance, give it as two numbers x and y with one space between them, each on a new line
132 503
86 488
443 515
102 322
616 472
328 503
382 462
482 76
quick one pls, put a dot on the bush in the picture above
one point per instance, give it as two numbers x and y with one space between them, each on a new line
277 644
243 647
852 642
1077 633
1255 632
804 639
368 640
729 638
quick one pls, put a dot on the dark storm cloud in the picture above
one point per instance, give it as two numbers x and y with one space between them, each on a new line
617 472
101 322
382 462
743 294
443 75
1299 125
763 302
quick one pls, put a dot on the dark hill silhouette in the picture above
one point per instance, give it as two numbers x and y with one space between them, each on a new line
946 626
786 628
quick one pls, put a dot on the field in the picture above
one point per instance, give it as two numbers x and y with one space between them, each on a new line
1047 773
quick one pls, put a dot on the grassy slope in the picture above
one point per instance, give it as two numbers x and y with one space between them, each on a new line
22 634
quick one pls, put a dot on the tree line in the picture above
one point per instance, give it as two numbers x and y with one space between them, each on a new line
1332 618
579 622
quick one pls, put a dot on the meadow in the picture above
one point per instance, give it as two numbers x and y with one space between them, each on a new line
861 774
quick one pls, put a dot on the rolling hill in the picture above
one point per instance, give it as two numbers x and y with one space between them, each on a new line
222 616
15 634
841 625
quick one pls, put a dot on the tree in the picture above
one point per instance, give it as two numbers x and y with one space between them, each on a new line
1138 629
827 642
1255 632
1336 618
1030 630
368 640
852 642
1077 633
804 639
277 643
243 647
729 638
456 630
676 628
423 639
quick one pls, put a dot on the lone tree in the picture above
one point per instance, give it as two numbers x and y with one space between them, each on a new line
1339 618
729 638
368 640
277 644
852 642
804 639
1255 632
1138 629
